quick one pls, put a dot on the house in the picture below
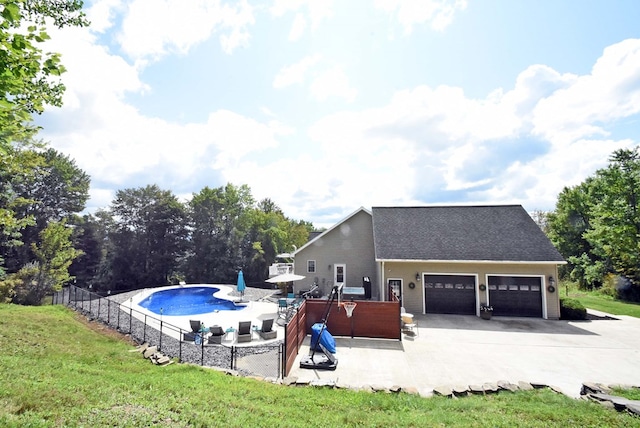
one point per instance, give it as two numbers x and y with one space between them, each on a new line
441 259
343 253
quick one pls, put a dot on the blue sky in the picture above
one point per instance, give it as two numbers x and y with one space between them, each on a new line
328 106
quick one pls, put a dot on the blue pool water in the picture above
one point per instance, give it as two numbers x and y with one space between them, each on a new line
187 301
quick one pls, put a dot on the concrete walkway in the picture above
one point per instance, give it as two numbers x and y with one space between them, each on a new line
465 350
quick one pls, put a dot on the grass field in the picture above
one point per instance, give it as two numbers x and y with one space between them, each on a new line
56 369
600 302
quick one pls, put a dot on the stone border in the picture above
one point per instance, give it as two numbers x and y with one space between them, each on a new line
601 394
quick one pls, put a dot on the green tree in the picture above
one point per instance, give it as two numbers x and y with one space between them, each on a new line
54 190
596 225
16 165
54 254
218 220
89 237
615 229
148 239
28 77
270 233
567 228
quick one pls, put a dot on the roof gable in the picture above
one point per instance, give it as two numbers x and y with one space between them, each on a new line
460 233
326 232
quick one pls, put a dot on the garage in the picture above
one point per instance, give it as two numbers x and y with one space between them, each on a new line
515 296
450 294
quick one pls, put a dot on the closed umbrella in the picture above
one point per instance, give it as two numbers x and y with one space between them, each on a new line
241 284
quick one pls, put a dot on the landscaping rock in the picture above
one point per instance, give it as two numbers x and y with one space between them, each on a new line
634 407
594 388
150 351
460 390
395 388
525 386
476 389
163 360
490 388
507 386
619 403
410 390
538 385
556 389
289 380
444 390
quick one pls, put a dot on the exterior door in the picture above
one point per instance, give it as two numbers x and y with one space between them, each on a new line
450 294
394 290
516 296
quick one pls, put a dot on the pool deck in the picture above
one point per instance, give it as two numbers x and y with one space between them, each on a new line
259 305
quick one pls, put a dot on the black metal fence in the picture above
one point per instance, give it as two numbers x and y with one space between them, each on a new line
264 360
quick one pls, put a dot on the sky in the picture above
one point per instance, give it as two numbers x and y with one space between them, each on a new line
327 106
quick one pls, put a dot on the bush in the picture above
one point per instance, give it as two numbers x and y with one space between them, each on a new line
572 309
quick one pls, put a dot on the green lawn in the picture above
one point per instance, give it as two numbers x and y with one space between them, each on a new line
606 304
55 370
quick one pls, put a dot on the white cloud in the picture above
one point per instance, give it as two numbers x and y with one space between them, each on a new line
332 83
101 14
609 93
295 73
436 13
152 29
316 13
298 27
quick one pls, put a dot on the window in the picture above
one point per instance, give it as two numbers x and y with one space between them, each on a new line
311 266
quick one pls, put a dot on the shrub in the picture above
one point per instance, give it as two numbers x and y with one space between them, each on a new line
572 309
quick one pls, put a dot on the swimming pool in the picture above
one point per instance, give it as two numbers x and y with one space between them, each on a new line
187 301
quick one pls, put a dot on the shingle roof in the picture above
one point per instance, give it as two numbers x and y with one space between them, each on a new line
460 233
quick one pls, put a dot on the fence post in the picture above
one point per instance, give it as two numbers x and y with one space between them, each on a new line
144 329
201 333
281 354
99 304
160 345
130 312
233 357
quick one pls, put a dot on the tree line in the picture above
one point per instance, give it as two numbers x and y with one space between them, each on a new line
145 238
596 227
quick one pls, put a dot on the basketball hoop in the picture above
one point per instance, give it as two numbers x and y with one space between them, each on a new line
349 307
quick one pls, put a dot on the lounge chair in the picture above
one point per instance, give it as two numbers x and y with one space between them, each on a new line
196 325
195 329
267 331
217 333
244 331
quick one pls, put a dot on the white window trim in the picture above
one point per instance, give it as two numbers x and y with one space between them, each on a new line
315 266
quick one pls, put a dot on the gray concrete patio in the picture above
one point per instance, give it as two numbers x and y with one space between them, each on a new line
464 350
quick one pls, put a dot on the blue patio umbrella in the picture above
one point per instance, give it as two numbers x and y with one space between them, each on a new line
241 285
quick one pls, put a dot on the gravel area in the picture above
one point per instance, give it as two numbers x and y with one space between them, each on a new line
262 360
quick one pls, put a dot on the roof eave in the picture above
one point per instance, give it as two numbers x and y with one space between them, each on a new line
515 262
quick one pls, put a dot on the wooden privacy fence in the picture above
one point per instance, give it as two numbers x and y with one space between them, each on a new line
295 332
380 320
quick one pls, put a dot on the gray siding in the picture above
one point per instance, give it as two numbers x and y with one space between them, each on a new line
350 243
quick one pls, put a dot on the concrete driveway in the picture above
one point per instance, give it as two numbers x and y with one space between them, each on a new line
464 350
